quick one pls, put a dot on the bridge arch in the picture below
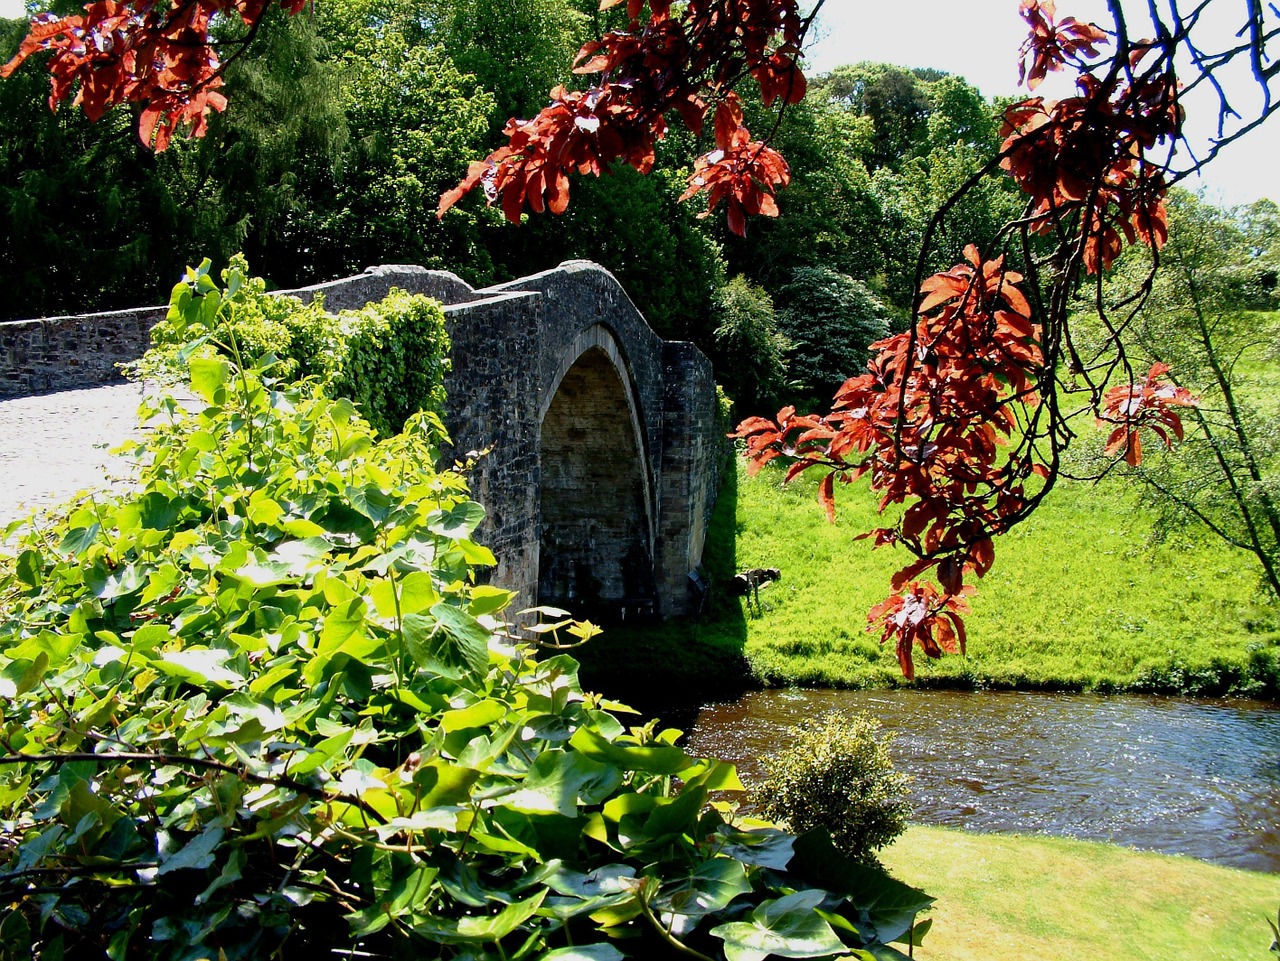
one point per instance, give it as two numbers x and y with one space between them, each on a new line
597 527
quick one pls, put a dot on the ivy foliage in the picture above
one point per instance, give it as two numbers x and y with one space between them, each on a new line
259 707
390 357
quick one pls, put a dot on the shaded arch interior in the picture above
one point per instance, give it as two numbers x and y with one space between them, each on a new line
595 554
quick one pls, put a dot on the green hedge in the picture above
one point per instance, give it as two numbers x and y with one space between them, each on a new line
390 357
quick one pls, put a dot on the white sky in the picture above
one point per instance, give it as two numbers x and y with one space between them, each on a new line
978 40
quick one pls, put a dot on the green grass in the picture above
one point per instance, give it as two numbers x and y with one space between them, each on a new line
1002 898
1079 599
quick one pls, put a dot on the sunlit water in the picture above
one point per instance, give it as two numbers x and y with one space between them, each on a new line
1200 778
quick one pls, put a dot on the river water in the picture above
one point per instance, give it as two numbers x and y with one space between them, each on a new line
1193 777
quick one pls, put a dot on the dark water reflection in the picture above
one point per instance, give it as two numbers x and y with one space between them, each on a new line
1200 778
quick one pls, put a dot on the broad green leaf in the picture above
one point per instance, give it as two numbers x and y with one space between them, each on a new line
417 592
766 848
371 501
440 783
341 623
585 952
407 895
457 522
448 641
476 555
786 928
207 375
30 567
196 854
321 753
487 599
230 873
22 675
887 907
201 665
149 637
559 781
264 574
79 539
479 714
609 879
503 923
710 888
660 759
263 510
714 775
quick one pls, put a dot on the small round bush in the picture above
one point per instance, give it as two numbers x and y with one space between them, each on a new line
837 774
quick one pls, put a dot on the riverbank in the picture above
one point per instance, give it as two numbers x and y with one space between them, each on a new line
1002 898
1080 599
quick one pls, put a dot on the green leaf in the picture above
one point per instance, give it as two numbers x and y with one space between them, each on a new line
30 567
655 759
442 783
79 539
200 665
710 888
405 896
503 923
196 854
457 522
263 510
322 753
766 848
149 637
559 781
585 952
487 599
785 927
15 937
340 624
371 501
449 641
479 714
21 675
887 907
207 375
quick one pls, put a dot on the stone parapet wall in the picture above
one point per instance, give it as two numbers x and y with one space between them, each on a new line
86 350
66 353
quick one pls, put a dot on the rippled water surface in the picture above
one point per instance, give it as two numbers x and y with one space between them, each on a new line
1200 778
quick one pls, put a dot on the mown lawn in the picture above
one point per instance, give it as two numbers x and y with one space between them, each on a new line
1002 898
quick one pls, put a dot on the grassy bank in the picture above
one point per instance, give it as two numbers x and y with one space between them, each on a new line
1002 898
1079 599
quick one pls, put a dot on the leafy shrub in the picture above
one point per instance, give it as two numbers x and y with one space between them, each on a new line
389 357
392 359
748 350
830 320
837 775
259 708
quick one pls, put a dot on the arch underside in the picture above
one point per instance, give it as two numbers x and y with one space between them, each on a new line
596 543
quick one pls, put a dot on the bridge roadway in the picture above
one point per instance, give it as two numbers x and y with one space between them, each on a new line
53 445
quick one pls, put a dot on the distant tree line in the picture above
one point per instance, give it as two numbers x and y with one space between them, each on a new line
352 120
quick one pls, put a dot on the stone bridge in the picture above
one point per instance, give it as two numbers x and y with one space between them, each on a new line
604 450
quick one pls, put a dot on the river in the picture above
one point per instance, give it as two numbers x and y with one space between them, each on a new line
1193 777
